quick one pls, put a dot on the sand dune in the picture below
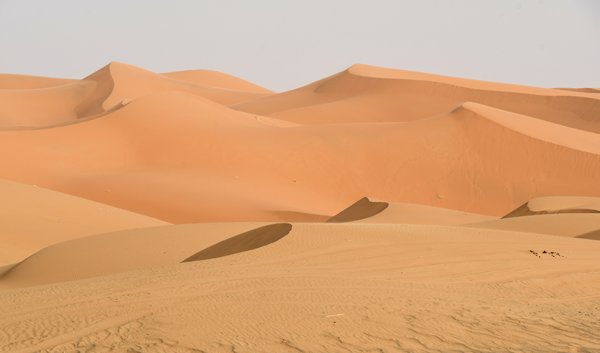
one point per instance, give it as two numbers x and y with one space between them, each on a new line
51 103
120 251
129 82
474 159
460 239
370 94
32 218
115 159
331 287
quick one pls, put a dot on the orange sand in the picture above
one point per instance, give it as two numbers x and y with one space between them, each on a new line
375 210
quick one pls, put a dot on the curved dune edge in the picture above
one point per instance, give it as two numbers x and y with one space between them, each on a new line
371 71
560 224
593 235
555 205
361 209
538 129
250 240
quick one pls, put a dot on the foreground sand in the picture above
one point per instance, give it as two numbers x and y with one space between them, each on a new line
375 210
334 288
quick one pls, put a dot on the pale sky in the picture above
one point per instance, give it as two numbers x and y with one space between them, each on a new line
284 44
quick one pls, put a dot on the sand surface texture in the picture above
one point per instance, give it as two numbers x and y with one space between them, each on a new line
375 210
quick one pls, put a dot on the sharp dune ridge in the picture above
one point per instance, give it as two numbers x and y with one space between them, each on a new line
373 210
364 93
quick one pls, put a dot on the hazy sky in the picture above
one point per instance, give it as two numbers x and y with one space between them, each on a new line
283 44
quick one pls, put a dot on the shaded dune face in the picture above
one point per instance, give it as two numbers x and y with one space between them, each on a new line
525 211
593 235
361 209
252 239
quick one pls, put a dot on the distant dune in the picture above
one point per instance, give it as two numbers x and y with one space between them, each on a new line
375 210
371 94
224 164
49 102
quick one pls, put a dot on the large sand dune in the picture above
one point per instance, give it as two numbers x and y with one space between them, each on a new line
375 210
32 102
366 93
238 166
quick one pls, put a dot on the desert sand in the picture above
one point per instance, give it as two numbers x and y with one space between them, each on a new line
375 210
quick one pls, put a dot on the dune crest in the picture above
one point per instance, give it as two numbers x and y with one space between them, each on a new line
371 94
216 79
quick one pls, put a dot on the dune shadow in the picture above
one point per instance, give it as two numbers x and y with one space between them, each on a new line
246 241
593 235
361 209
